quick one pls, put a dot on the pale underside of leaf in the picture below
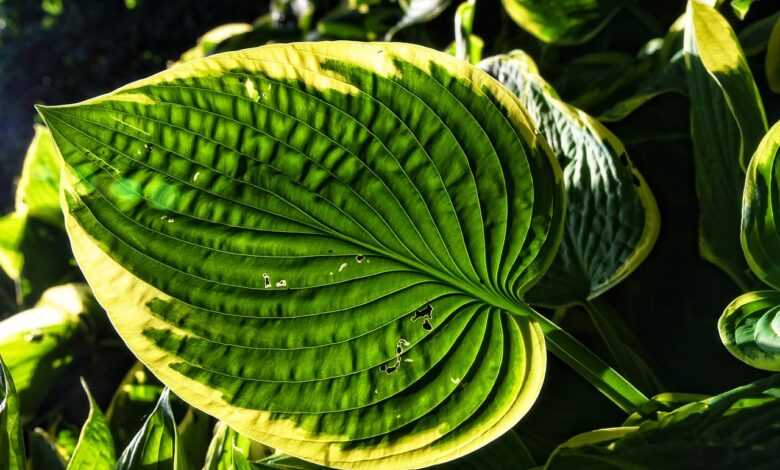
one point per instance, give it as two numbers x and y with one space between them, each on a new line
612 217
750 329
319 244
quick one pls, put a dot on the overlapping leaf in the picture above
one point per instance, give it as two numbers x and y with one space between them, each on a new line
95 448
562 21
727 122
736 429
156 445
11 439
321 244
39 344
612 218
750 325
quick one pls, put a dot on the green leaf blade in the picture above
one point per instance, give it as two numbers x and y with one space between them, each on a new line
351 208
12 455
95 447
156 444
725 103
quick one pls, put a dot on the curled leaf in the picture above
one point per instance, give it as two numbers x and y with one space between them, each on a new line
750 329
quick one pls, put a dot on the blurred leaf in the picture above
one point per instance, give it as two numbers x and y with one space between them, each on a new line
734 430
772 63
563 21
507 452
264 31
39 344
417 11
361 24
670 78
156 445
727 122
135 395
37 193
464 25
34 251
42 453
208 42
194 436
741 7
12 456
95 448
755 36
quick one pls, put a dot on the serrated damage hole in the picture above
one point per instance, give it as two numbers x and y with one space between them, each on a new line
424 313
624 159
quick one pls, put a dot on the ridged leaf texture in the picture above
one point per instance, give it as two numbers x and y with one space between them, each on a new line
324 245
612 218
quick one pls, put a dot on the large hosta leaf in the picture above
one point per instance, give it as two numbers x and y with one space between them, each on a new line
612 218
727 122
321 244
736 429
563 21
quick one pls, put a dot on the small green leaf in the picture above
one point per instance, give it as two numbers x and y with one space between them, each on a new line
12 456
563 21
208 42
135 396
727 123
39 344
37 193
224 444
669 79
741 7
733 430
156 445
42 452
194 436
359 24
772 64
749 329
95 448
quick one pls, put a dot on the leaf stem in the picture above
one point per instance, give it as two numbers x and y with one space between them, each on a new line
577 356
